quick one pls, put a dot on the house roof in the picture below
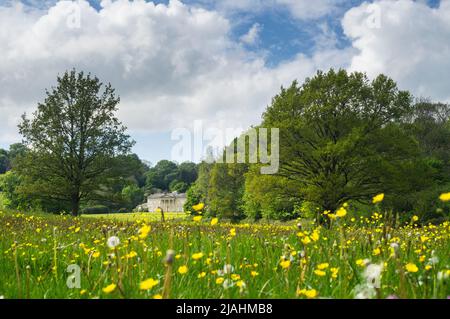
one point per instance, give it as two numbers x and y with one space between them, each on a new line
167 195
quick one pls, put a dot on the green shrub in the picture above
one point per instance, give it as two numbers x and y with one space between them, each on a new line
98 209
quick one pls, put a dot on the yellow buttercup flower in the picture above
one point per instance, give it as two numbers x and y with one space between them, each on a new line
361 262
308 293
198 207
157 296
183 269
411 267
445 197
323 266
315 235
220 280
131 254
148 284
306 240
235 277
214 221
197 256
285 264
143 231
197 218
201 275
110 288
378 198
376 251
341 212
320 273
334 272
254 273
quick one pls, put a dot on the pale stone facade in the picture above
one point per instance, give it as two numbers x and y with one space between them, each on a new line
169 202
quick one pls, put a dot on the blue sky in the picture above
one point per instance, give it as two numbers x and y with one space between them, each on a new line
173 65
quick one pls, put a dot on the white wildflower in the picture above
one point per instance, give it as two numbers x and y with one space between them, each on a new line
113 242
433 260
228 283
228 269
372 274
394 246
364 292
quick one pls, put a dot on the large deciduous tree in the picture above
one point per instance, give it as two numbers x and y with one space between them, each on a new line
73 140
340 134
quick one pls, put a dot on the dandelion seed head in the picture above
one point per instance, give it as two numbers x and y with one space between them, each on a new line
372 274
113 242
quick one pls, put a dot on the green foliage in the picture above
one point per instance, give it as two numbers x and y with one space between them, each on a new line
7 158
269 196
336 133
4 161
16 150
73 140
8 187
133 195
98 209
137 169
343 138
169 176
193 197
177 186
226 190
161 175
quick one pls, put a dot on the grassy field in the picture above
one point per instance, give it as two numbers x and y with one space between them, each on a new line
355 258
147 217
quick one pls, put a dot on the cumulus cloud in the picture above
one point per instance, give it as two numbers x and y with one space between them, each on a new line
251 37
174 63
406 40
171 64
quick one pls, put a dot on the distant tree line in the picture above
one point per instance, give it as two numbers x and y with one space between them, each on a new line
343 139
168 176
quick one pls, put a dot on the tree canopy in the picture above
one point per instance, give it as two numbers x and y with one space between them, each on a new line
168 176
73 140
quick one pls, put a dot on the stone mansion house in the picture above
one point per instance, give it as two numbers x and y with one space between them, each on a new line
169 202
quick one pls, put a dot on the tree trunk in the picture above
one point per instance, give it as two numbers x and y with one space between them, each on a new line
75 205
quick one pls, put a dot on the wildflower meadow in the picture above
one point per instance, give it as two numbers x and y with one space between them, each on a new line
50 256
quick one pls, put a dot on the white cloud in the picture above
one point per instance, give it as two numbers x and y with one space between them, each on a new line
171 64
410 43
251 37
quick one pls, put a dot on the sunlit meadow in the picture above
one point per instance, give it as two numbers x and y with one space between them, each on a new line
199 257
